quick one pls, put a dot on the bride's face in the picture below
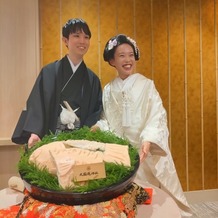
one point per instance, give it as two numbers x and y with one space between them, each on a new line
124 60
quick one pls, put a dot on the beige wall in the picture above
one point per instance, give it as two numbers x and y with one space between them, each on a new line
178 43
19 66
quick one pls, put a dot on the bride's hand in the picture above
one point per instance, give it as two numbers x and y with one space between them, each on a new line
145 147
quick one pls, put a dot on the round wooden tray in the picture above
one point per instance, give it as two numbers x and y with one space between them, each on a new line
75 198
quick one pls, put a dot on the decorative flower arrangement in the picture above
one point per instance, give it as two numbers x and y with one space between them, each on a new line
112 43
134 44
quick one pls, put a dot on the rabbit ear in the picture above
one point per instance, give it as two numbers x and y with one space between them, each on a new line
67 106
76 109
61 106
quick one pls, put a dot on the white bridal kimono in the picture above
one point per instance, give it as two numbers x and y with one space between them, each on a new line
133 109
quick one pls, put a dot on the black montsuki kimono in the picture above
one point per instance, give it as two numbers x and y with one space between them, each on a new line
51 88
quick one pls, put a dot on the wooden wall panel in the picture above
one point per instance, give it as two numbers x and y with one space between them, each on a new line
208 95
70 9
178 44
159 51
50 31
143 36
108 29
176 113
92 56
216 73
193 89
125 17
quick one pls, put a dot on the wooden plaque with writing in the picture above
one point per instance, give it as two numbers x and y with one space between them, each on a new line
89 171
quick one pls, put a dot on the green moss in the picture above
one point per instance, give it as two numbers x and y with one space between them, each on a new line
42 178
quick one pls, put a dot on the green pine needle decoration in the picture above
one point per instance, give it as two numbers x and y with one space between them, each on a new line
43 179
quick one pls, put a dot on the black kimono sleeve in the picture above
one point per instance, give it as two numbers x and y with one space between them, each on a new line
40 108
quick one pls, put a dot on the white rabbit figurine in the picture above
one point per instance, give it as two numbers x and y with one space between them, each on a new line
68 116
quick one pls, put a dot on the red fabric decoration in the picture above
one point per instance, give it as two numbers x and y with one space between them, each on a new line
122 206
